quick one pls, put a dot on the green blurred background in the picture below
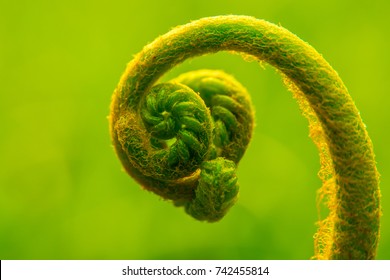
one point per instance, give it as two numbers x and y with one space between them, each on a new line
63 194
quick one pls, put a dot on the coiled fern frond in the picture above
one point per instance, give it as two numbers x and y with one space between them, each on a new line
183 139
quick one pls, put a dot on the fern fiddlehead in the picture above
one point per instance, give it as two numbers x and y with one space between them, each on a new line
184 139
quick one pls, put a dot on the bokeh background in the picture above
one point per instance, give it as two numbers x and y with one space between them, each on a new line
63 193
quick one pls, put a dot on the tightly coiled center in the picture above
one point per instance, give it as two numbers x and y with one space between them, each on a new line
185 139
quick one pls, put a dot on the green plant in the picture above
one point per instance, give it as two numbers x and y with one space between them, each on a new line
197 169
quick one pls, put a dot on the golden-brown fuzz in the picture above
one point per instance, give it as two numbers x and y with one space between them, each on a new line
204 155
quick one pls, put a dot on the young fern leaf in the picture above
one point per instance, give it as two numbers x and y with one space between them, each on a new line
184 139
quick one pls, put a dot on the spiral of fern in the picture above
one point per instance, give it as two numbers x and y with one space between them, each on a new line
184 139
